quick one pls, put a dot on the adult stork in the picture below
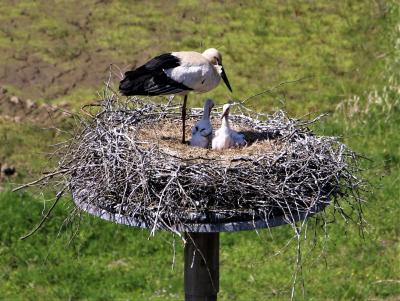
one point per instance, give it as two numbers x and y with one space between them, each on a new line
176 73
202 130
225 137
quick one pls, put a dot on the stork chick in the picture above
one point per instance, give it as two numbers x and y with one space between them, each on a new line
225 137
202 130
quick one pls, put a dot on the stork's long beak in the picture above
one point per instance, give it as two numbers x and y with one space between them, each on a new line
225 78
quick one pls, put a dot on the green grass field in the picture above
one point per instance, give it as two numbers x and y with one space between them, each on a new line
349 56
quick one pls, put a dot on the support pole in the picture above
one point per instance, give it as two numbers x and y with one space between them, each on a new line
201 277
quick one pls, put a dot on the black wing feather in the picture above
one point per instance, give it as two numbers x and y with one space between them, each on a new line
150 78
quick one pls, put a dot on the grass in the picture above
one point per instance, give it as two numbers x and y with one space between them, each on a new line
23 145
352 50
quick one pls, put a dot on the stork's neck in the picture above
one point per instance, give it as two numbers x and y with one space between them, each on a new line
206 113
225 122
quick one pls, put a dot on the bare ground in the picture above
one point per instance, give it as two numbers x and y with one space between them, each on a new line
16 109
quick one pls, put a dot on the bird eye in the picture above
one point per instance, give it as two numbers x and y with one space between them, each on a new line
217 60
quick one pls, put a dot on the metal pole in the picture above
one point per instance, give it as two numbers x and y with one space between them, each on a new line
201 279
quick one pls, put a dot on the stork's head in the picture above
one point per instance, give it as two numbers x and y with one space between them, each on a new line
225 110
215 58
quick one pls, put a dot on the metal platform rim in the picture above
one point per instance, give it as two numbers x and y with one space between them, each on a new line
259 223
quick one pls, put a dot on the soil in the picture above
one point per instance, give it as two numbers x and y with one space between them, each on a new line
49 60
37 79
15 109
45 64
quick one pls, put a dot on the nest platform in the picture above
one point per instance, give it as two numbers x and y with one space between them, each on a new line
127 165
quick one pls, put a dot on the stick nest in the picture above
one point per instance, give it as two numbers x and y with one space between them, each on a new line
127 159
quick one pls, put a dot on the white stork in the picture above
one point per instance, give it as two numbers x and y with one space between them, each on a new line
225 137
202 130
176 73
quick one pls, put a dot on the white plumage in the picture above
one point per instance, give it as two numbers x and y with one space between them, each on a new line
200 78
202 130
225 137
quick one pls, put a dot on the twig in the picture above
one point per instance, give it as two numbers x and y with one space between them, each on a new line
275 87
62 171
58 196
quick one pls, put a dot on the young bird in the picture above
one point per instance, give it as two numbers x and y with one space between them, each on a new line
202 130
225 137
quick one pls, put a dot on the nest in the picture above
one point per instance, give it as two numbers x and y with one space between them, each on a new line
127 161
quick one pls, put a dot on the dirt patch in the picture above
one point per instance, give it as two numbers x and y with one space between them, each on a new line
16 109
50 50
37 79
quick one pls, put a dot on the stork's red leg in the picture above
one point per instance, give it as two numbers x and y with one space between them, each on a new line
184 118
